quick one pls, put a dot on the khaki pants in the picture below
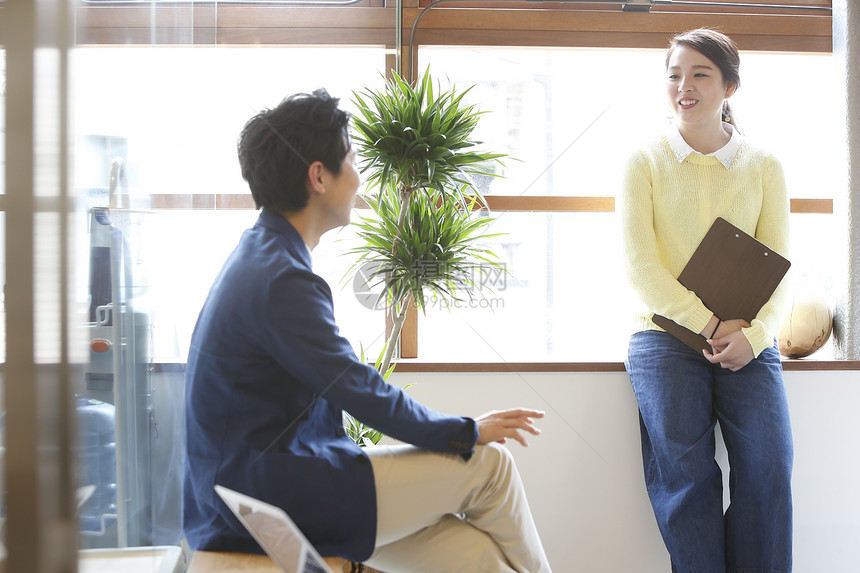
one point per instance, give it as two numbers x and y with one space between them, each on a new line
440 514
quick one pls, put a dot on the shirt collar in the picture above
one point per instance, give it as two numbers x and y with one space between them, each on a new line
278 223
724 155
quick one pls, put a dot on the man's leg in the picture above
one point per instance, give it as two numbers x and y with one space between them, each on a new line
418 490
449 546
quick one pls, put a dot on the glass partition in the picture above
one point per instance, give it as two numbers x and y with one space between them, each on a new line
160 94
160 127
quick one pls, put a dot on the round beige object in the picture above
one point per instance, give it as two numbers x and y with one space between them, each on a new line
806 328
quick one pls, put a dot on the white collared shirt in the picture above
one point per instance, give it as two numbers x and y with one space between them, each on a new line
725 155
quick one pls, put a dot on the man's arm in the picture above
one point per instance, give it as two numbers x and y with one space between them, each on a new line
302 335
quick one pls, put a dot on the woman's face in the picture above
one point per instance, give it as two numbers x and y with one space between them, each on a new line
695 87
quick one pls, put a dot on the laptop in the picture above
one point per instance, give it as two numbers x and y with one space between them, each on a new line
275 532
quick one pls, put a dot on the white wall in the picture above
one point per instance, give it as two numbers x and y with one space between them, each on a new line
584 473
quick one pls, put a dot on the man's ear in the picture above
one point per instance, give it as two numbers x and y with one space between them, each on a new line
315 177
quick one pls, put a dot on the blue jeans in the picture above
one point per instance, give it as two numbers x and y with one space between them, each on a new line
681 397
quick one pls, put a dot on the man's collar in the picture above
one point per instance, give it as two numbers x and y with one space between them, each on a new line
278 223
724 155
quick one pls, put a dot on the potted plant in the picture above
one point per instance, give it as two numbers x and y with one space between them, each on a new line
416 145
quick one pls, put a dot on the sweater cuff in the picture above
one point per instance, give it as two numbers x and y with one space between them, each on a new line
700 320
758 337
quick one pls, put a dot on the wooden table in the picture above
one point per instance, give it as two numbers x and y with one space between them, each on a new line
212 561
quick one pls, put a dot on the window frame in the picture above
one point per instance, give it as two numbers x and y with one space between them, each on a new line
495 23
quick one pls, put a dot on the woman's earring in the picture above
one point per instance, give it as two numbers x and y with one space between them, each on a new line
727 117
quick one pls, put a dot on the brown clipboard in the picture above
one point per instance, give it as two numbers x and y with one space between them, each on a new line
733 274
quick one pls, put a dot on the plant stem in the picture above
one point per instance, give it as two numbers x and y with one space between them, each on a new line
399 319
405 197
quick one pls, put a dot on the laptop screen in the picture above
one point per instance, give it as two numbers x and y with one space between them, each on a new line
276 533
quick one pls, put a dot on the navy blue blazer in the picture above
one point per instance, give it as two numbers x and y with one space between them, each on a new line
267 378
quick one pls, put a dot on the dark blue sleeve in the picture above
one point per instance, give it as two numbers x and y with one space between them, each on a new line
301 334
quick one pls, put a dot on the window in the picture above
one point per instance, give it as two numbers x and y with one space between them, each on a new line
572 116
567 118
173 117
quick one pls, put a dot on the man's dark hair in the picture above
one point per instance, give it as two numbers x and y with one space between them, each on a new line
277 146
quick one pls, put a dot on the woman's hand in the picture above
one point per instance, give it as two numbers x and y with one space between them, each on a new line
730 348
499 425
728 326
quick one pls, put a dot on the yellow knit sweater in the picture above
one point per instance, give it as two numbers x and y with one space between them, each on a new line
667 207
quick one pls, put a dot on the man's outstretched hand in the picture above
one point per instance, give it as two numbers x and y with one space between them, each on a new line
499 425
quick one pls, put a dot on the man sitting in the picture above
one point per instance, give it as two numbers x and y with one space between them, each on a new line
268 377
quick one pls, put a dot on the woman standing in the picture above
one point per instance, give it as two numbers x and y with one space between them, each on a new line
674 189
